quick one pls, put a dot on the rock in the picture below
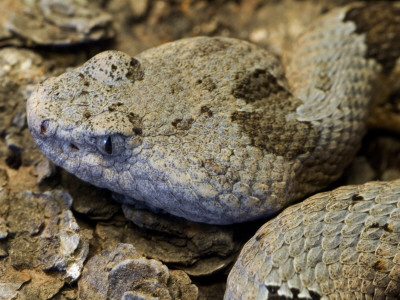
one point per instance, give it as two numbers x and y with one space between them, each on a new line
44 247
19 119
61 22
212 290
21 150
23 66
7 38
139 7
197 249
11 100
67 294
43 234
360 171
385 113
3 249
382 151
122 273
3 228
44 169
11 281
205 238
390 174
3 178
14 142
94 203
42 285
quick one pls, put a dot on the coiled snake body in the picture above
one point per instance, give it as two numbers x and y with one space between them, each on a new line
213 129
342 244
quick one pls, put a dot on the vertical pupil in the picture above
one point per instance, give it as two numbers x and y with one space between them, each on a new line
108 145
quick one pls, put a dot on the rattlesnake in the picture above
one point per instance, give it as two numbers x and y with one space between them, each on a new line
213 129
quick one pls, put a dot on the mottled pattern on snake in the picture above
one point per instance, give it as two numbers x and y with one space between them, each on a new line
210 129
342 244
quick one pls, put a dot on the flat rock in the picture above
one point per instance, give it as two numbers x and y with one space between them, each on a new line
60 23
122 273
42 236
198 249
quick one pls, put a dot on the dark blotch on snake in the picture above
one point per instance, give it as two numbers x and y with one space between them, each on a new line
135 71
380 23
276 135
256 85
206 110
273 294
379 265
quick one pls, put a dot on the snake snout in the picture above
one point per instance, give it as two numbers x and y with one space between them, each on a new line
41 127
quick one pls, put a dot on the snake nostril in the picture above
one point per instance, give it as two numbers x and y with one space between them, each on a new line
74 147
43 127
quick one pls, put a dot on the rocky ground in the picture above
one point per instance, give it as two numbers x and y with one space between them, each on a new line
61 238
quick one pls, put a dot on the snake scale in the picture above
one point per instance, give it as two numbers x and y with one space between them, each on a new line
216 130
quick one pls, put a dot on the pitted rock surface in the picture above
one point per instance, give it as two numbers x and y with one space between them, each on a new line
41 236
20 71
122 273
210 129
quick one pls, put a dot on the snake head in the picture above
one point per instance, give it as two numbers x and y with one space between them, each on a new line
80 119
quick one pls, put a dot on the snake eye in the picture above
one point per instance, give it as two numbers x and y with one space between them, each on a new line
111 145
108 145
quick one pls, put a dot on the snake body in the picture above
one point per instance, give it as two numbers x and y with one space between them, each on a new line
210 129
342 244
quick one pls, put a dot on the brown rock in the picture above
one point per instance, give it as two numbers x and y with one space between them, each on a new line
122 273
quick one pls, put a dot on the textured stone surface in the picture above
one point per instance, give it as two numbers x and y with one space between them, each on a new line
122 273
93 203
41 236
197 249
60 22
20 71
